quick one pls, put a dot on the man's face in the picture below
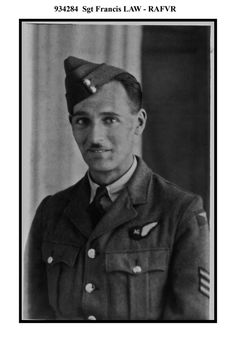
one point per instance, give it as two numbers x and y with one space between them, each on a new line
104 128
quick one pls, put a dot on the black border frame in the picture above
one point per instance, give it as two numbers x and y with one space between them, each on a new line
214 21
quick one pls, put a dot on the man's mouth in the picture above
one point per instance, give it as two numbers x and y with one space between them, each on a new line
98 150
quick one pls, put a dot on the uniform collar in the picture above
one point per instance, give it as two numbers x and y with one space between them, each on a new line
115 188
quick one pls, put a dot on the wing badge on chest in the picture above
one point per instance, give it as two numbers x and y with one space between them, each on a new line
137 233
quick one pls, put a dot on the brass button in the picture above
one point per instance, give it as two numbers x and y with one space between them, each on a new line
137 269
92 318
91 253
87 82
93 89
89 287
50 260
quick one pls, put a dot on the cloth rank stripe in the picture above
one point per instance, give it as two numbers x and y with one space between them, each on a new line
204 281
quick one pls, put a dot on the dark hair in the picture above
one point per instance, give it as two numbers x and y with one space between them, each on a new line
133 89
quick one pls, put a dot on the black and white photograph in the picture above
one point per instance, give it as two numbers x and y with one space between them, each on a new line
118 188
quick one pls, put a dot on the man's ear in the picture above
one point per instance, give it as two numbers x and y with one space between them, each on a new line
141 122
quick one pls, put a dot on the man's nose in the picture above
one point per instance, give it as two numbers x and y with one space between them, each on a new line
96 134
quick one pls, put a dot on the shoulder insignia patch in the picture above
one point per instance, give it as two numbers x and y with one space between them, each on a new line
138 233
204 282
202 218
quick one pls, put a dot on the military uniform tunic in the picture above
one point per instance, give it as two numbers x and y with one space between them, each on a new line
147 258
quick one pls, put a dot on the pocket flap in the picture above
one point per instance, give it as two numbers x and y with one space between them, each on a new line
53 253
135 262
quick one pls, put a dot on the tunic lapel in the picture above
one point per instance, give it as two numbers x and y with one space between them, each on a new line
76 211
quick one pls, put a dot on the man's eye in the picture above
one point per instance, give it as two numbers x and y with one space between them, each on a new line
110 120
81 121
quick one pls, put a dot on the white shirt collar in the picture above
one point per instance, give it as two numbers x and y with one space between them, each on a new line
115 188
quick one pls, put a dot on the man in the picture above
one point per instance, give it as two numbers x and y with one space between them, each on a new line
123 243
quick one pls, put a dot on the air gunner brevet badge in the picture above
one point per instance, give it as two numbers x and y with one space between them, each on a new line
138 233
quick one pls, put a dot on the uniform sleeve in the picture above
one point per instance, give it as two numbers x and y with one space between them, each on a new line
189 282
35 284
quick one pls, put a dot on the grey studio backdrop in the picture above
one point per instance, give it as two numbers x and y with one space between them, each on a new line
176 83
172 61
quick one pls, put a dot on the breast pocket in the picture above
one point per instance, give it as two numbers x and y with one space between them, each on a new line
136 280
60 260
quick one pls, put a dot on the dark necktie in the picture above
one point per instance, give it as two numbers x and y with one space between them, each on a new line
95 209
